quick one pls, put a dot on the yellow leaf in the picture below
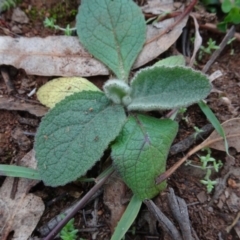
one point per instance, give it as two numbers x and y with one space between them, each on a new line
56 90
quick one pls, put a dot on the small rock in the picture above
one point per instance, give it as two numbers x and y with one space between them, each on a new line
19 16
220 204
22 140
16 29
202 197
210 209
233 202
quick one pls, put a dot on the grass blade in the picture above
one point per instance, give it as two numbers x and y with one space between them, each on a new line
214 121
17 171
127 218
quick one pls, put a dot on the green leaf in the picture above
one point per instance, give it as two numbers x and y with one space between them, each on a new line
140 152
214 121
235 15
172 61
226 6
17 171
74 135
116 90
113 32
210 2
127 218
159 88
222 26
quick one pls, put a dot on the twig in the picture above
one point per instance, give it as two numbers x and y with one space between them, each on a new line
213 28
163 17
190 140
165 223
179 19
171 170
217 52
195 234
229 228
78 206
180 212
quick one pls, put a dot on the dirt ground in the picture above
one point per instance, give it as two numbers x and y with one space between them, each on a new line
210 214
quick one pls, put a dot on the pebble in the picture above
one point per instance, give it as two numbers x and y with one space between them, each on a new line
19 16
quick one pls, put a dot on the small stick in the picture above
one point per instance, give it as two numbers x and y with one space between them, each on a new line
163 17
180 212
78 206
213 28
172 169
229 228
165 223
190 140
217 52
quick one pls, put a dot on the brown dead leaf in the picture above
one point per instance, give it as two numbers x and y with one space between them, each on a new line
15 104
232 132
153 49
158 7
21 214
65 56
114 193
50 56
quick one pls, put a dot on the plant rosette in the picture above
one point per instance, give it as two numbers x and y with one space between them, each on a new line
73 136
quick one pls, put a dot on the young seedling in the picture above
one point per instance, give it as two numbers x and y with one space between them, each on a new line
208 163
73 136
50 23
197 131
211 45
69 232
208 182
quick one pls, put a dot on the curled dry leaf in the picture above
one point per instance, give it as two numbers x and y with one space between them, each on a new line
21 213
232 132
155 46
197 41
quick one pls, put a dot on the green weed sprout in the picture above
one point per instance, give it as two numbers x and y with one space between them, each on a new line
211 45
50 23
69 232
197 131
208 163
208 182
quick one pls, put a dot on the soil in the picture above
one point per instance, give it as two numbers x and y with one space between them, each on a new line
210 214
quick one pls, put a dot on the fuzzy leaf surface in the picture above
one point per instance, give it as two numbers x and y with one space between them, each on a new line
74 135
157 88
113 32
140 153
